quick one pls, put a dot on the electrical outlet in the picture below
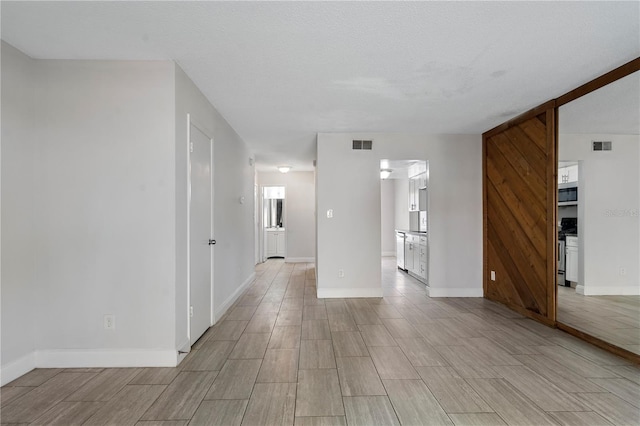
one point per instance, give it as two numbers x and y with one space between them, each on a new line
329 213
340 273
109 322
493 275
623 271
191 311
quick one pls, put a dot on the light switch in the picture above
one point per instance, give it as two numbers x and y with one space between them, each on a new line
329 213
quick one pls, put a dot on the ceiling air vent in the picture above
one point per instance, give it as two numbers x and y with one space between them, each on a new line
601 145
359 144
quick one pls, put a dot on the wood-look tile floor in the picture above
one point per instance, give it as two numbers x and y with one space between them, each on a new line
614 319
282 356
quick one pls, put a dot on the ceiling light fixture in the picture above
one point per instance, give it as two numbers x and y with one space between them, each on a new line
284 169
385 173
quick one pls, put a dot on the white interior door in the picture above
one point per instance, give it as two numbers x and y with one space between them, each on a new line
200 234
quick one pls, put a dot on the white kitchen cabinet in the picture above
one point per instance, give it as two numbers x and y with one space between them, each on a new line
422 180
416 256
413 195
275 242
410 247
417 198
416 169
416 259
422 269
571 272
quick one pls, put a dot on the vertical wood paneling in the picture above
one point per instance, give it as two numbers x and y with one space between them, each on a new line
519 213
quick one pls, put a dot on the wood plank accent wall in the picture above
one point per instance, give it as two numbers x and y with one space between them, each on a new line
519 189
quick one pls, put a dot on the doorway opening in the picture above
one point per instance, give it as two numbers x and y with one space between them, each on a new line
404 200
273 222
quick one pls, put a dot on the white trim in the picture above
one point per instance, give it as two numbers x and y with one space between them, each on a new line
627 290
455 292
580 289
388 254
17 368
330 293
219 312
299 259
88 358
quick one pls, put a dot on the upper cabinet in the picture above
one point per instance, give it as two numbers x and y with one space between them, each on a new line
416 169
422 180
413 195
417 192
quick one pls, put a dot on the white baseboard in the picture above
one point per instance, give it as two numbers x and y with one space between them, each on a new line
580 289
90 358
340 293
388 254
300 260
17 368
454 292
103 358
609 291
222 309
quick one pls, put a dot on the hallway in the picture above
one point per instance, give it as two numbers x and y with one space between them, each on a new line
282 356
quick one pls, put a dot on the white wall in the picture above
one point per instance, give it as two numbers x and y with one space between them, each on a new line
402 203
388 216
106 211
300 220
609 202
94 211
233 222
19 238
349 183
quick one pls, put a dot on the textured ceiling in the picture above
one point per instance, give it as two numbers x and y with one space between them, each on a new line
613 109
281 72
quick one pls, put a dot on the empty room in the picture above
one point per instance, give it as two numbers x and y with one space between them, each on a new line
320 213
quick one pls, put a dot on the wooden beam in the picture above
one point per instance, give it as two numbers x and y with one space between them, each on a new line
595 84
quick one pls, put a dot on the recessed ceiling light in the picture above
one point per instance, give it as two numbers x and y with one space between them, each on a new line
284 169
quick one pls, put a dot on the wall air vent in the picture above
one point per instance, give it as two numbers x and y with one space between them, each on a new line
359 144
601 145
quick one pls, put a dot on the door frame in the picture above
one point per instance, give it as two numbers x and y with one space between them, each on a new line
208 133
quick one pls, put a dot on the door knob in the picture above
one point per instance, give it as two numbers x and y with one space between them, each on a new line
212 242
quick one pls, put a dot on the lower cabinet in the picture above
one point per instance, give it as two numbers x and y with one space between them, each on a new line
416 260
415 256
275 243
572 259
409 248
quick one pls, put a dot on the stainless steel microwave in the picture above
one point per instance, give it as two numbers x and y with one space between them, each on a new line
568 194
